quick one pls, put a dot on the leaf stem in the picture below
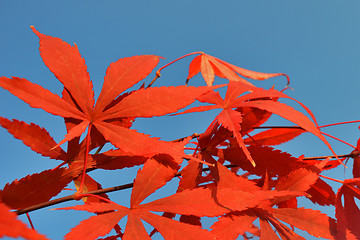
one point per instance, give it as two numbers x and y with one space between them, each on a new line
332 179
81 188
30 222
158 74
326 134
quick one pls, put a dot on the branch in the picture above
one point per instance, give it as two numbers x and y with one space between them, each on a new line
96 192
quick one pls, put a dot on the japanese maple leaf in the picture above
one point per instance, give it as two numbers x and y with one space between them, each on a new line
36 188
236 97
274 136
69 68
237 222
154 174
348 212
210 66
10 226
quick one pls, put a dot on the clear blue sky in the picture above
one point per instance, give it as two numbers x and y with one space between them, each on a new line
315 42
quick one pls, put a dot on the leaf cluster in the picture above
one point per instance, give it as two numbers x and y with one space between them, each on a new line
256 195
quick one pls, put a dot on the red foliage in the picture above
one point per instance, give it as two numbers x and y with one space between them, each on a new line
268 191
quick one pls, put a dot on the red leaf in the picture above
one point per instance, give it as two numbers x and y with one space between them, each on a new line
312 221
39 97
267 233
95 226
207 70
298 180
130 141
321 193
154 174
267 159
190 176
356 167
76 131
231 120
274 136
183 203
211 66
96 207
348 214
123 74
194 67
231 226
38 139
99 225
10 226
89 185
135 229
171 229
237 193
156 101
117 159
252 74
69 68
252 117
35 189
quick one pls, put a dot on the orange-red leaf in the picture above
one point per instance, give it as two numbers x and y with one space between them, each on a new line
268 160
37 138
137 143
299 180
190 176
156 101
321 193
290 114
135 229
69 68
10 226
123 74
194 67
267 233
231 120
174 230
312 221
89 185
39 97
274 136
207 70
96 226
230 226
154 174
211 66
252 74
35 189
184 203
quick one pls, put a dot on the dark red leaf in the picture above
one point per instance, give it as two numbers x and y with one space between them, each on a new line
36 188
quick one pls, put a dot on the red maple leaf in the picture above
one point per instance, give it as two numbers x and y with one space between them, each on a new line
210 66
10 226
237 222
36 188
104 120
235 98
154 174
66 63
347 213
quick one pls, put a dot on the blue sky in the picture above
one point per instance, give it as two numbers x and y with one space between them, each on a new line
315 42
